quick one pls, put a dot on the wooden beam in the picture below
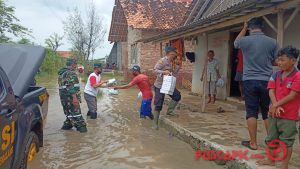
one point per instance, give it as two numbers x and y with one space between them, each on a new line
270 23
205 76
291 18
280 28
274 9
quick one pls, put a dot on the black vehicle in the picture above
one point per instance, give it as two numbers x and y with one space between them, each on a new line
23 108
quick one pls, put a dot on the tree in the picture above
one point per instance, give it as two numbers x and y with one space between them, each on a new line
74 29
85 34
54 42
96 31
24 41
9 23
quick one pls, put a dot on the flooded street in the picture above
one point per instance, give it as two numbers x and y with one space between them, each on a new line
118 139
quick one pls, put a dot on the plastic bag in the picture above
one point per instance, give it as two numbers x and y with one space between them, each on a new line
111 82
220 83
169 84
140 95
113 92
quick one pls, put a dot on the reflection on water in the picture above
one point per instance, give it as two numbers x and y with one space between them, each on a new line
118 139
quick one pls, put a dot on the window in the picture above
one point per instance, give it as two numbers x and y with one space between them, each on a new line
133 55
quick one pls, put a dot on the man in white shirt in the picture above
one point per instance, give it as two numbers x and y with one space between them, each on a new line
91 90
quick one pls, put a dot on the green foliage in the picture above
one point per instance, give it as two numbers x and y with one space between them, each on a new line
25 41
52 63
9 23
54 41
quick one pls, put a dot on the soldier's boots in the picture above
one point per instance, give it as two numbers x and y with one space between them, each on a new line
93 115
88 113
171 108
155 120
67 126
82 129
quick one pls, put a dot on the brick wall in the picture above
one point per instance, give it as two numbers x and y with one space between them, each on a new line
150 53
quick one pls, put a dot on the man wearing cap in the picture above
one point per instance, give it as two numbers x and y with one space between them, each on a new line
91 90
69 92
165 66
143 83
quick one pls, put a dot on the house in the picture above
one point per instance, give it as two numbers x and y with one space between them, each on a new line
65 54
115 57
133 20
214 25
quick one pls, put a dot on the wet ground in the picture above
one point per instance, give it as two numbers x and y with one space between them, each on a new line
118 139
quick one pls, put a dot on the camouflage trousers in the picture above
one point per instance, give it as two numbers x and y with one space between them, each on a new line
73 116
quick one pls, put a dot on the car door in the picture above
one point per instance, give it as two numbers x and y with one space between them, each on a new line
8 128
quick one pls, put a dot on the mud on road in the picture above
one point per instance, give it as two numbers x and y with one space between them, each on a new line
118 139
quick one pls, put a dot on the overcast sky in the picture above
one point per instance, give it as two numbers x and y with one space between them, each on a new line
45 17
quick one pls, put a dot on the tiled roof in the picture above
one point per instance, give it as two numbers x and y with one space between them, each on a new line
118 29
218 6
155 14
147 14
65 54
216 11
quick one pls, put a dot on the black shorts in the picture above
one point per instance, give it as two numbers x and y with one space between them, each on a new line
256 97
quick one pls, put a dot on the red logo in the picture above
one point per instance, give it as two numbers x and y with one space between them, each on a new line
277 146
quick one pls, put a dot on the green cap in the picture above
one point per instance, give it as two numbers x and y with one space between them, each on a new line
71 62
136 69
97 65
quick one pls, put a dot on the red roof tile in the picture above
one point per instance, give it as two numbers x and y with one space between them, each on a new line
155 14
65 54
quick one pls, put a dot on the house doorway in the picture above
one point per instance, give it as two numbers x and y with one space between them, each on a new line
233 60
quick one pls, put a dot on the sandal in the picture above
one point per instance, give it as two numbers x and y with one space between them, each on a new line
247 144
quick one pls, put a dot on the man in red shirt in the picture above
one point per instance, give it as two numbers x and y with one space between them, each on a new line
284 91
142 81
239 71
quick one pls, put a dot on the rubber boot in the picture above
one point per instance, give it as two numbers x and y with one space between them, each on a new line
88 113
67 126
155 120
93 115
171 108
82 129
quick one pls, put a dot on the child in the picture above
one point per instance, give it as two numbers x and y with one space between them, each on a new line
142 81
284 91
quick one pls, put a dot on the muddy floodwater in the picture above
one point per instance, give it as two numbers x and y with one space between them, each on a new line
118 139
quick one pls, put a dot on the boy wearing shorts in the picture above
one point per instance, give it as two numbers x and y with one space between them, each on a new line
284 91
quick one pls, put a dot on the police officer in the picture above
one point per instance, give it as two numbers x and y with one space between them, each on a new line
166 66
69 92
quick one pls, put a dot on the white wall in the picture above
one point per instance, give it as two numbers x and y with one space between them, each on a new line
132 37
200 55
218 42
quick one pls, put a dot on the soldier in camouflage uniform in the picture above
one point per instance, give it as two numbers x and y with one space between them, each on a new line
69 92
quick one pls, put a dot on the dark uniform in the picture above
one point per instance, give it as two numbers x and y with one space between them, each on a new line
68 86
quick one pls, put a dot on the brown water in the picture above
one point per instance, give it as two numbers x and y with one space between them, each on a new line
118 139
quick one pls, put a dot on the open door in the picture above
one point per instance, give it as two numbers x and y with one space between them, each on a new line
234 90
